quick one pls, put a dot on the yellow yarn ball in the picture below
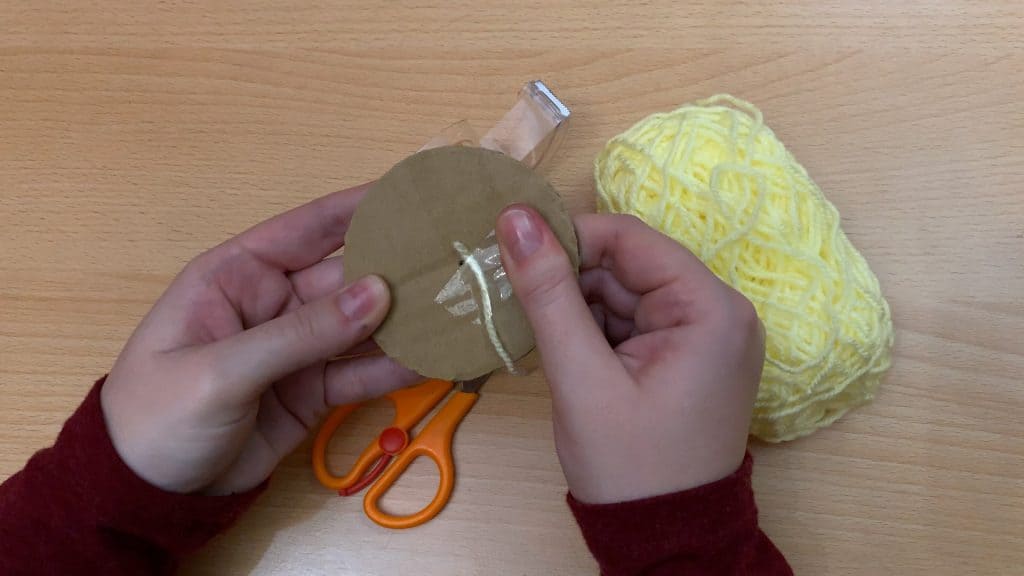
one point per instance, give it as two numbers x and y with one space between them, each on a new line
716 179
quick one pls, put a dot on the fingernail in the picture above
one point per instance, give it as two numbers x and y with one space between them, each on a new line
520 233
361 298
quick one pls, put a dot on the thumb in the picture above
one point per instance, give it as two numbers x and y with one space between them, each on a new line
572 346
248 362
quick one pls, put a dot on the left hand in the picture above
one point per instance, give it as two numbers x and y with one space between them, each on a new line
231 368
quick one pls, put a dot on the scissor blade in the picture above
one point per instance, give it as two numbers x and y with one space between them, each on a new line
473 386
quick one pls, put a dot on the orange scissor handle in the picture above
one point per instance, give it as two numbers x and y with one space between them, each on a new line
411 405
434 442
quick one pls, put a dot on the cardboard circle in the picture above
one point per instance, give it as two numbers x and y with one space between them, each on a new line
404 231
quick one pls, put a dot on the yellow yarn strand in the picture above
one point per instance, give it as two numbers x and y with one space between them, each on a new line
712 176
486 312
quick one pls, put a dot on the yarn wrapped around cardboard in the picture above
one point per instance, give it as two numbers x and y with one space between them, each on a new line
405 230
716 179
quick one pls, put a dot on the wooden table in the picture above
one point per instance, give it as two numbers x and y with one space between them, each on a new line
133 135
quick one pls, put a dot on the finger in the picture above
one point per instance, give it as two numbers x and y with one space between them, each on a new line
304 235
597 311
263 451
347 381
282 429
599 285
545 284
645 261
325 277
639 256
616 329
250 361
309 393
365 348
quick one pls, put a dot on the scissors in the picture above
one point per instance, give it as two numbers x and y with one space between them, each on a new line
394 446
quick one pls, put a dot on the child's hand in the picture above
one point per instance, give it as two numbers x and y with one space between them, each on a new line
653 365
228 371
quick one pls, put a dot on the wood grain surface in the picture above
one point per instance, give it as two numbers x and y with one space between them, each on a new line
135 134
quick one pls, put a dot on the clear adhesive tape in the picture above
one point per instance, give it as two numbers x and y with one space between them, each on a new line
531 132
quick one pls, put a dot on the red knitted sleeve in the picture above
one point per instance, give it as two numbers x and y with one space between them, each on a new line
76 508
710 530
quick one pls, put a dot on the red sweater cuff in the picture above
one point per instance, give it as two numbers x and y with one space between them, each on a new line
79 503
120 499
711 529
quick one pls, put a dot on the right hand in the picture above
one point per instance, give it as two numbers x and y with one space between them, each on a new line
653 361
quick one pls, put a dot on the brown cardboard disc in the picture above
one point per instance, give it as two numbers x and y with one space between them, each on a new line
404 231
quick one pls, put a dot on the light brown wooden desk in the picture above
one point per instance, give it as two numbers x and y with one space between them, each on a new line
135 134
